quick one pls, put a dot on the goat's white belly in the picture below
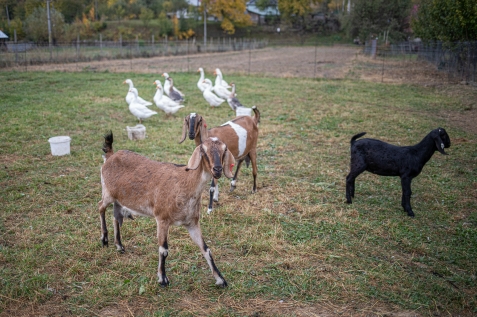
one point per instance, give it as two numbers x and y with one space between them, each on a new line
242 136
145 211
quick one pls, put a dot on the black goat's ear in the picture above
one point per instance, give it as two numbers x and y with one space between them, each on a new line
440 145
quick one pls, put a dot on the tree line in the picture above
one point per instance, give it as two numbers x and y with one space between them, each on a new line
397 20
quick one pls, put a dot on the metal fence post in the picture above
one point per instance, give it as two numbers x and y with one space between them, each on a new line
121 45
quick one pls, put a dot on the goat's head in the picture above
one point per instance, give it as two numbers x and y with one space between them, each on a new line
214 156
441 138
195 125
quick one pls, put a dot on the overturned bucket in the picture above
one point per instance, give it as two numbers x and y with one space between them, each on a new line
243 111
136 133
60 145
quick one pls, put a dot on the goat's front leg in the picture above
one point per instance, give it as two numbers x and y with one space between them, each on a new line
118 221
196 235
213 187
406 195
233 183
162 231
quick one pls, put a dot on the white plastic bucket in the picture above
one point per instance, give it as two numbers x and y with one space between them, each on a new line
136 133
243 111
60 145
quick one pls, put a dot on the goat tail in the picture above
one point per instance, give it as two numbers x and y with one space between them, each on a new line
357 136
257 114
108 145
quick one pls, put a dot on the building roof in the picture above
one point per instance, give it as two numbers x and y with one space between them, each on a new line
3 35
270 10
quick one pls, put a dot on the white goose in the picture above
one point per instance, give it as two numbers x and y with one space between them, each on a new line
138 110
162 98
220 90
167 86
174 95
209 96
130 96
220 78
165 103
200 84
233 102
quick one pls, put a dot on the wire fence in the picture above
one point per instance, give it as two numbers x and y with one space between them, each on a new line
24 54
458 60
404 62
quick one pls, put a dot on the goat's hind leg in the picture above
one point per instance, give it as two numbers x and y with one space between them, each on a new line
162 232
253 158
406 195
356 168
118 222
196 235
102 205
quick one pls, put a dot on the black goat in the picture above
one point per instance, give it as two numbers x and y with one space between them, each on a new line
385 159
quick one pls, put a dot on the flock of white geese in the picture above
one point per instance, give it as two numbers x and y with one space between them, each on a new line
170 99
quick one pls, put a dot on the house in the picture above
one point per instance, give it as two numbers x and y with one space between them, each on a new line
258 16
3 39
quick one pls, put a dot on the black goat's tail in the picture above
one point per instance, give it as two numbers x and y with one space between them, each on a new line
357 136
108 145
257 115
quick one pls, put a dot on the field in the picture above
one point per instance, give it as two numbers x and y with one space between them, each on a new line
295 248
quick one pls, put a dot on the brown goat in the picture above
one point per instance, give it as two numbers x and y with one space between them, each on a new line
168 192
240 135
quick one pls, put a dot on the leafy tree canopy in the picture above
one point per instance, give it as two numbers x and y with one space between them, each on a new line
368 18
445 20
230 12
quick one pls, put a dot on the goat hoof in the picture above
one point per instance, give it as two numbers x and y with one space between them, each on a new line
232 188
104 242
120 249
223 284
410 214
164 282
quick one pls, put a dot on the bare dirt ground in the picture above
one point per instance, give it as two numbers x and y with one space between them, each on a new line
333 62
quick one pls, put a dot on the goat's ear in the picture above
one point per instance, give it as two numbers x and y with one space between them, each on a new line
204 133
229 162
195 159
185 129
440 145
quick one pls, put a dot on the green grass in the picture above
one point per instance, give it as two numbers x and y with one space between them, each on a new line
294 248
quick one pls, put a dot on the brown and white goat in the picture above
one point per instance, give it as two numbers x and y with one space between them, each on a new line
240 135
168 192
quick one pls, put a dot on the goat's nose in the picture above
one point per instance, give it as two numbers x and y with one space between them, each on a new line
217 170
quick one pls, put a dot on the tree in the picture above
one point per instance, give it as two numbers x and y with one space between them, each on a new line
230 12
36 25
71 9
296 11
146 16
445 20
369 18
